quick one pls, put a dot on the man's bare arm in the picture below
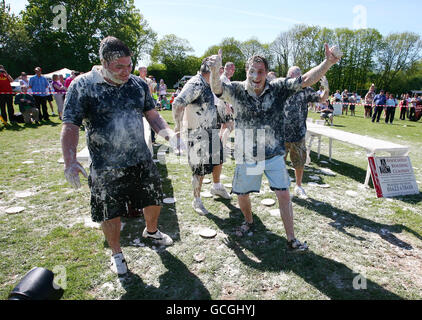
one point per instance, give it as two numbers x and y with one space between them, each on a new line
179 109
215 62
158 124
315 74
69 140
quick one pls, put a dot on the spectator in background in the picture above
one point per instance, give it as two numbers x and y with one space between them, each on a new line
317 105
50 97
60 90
6 95
69 80
39 87
345 99
155 89
412 106
165 104
379 102
403 107
353 100
390 109
23 81
27 107
337 96
162 89
327 112
369 98
61 79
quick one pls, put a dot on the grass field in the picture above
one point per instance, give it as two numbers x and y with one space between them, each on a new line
379 240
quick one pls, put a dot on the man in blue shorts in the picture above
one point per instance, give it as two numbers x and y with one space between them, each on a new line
259 142
111 102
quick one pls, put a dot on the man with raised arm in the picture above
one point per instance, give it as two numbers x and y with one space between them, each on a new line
112 103
259 143
205 150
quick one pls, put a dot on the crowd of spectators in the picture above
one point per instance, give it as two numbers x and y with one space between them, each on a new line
33 96
375 105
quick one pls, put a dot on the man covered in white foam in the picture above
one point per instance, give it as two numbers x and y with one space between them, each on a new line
111 103
259 143
196 103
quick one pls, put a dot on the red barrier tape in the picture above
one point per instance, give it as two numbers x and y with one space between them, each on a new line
47 93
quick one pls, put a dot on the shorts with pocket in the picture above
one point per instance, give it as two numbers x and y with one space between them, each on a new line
297 153
248 176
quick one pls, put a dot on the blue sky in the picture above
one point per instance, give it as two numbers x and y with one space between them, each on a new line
205 23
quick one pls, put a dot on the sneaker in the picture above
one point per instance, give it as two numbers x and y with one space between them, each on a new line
296 246
300 192
118 264
159 237
198 206
220 192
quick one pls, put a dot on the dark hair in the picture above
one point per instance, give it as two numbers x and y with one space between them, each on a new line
112 48
256 59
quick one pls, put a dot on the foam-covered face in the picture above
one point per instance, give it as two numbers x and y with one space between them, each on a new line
257 75
230 71
143 73
118 70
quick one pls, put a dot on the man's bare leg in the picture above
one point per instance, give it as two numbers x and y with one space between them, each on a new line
299 176
286 212
245 207
151 215
111 230
216 173
197 185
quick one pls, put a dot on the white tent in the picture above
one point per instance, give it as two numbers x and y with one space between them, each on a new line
65 72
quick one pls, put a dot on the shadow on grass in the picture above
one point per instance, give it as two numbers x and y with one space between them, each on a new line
342 168
346 219
178 283
270 252
23 126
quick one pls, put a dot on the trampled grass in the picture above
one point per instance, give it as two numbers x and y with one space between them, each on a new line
377 239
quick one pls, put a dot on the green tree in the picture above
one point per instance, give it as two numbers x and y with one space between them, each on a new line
87 22
232 53
172 52
399 52
14 42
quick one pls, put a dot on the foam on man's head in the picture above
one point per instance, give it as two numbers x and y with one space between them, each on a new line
112 48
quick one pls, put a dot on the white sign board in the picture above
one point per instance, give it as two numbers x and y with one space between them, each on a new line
393 176
337 109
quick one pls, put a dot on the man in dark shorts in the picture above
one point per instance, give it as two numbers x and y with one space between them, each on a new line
111 102
205 150
259 143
